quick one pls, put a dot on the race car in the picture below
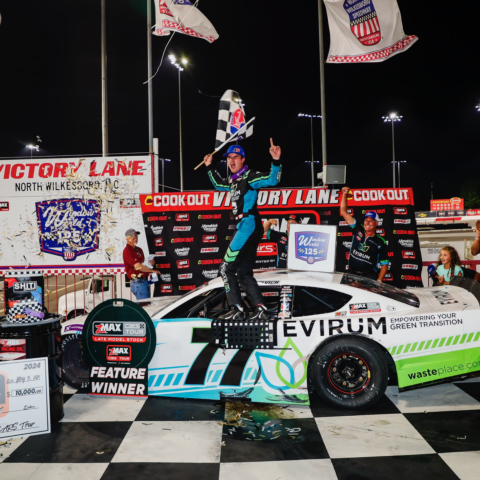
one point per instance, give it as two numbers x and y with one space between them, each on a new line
341 334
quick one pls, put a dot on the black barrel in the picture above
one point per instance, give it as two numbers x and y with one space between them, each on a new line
42 339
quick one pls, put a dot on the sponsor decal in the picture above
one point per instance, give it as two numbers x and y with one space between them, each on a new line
183 263
409 266
270 294
347 244
73 328
269 282
182 229
166 289
406 243
68 227
388 277
404 232
391 308
209 238
347 255
426 321
380 231
390 254
212 227
409 254
210 273
209 250
214 261
405 221
182 252
350 211
266 249
4 206
166 277
411 277
164 265
157 230
400 210
160 254
228 237
187 287
340 314
119 353
185 276
159 242
311 247
215 216
343 223
322 328
443 297
182 217
182 240
119 332
345 234
25 286
328 212
232 227
157 219
369 307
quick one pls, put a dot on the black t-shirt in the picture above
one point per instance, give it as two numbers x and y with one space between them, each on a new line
281 239
366 252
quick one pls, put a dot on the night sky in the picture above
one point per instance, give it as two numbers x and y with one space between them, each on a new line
268 52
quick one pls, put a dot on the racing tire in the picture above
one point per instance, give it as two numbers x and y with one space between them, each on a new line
349 373
75 370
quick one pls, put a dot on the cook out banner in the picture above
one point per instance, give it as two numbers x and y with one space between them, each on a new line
190 232
69 215
365 31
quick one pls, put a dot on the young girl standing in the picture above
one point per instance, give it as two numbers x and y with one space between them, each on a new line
448 265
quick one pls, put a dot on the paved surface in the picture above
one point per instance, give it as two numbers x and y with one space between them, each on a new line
428 433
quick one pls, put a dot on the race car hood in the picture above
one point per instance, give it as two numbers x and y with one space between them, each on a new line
444 297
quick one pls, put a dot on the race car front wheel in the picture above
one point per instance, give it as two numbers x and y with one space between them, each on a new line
349 373
75 370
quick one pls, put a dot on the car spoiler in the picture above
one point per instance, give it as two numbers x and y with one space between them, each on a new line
467 284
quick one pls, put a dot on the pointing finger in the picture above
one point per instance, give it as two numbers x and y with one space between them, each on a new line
271 143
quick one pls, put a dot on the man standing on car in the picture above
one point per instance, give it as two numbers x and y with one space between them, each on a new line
133 258
237 266
281 239
368 249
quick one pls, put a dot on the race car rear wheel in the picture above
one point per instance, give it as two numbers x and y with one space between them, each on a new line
349 373
75 370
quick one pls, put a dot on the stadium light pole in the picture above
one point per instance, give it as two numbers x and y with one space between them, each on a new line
180 69
311 117
398 164
393 117
32 148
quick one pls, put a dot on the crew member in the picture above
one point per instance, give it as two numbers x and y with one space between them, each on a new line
368 249
237 266
133 259
475 249
280 238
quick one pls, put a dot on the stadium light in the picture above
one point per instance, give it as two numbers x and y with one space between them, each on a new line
393 117
312 161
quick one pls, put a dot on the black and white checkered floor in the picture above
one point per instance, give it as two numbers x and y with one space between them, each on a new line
432 433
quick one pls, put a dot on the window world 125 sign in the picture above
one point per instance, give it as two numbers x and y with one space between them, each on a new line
313 247
68 227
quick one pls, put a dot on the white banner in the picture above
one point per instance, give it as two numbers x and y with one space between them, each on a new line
365 31
70 216
24 398
56 176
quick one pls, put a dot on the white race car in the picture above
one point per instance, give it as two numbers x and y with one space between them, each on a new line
341 333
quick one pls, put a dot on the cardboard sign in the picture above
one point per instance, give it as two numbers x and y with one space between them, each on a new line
119 340
312 247
24 398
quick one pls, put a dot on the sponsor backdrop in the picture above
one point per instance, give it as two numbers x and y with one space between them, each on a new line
70 215
190 232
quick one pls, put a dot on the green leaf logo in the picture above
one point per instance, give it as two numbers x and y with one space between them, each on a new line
301 360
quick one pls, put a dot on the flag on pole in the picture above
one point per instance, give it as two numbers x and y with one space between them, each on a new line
231 119
182 16
365 31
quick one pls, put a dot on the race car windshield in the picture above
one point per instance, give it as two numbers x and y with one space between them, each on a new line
387 291
176 299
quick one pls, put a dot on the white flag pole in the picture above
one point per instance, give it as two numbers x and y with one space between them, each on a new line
231 139
322 85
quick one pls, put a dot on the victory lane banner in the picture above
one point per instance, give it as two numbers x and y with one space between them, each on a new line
189 232
119 342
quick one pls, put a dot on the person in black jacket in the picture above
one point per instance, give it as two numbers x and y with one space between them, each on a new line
237 266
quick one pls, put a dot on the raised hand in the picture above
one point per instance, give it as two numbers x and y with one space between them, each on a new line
273 222
477 227
345 190
275 151
208 160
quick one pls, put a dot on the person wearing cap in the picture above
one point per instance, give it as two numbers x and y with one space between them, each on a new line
368 249
133 258
280 238
237 266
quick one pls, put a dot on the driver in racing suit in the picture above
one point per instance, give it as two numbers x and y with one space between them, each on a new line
237 266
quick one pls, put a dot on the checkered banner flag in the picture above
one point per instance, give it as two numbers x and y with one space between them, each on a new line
365 31
232 124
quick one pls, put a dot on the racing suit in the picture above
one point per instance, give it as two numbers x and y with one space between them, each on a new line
240 257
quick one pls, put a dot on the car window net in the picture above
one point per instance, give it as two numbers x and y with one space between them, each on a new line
402 296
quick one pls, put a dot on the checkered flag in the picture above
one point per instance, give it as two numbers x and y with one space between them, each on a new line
25 311
231 120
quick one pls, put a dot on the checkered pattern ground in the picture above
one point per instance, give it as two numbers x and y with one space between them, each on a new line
428 433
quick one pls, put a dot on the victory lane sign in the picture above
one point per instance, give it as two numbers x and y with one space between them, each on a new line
119 341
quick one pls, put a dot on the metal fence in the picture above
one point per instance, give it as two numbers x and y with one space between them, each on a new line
74 295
